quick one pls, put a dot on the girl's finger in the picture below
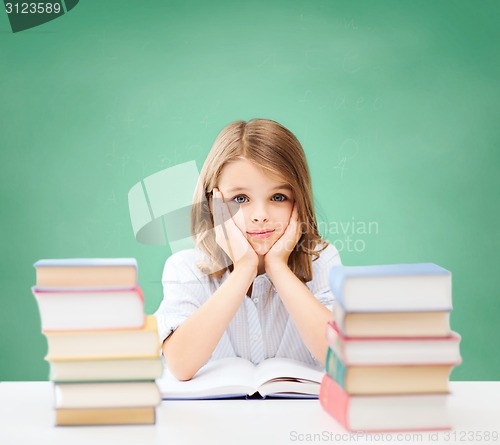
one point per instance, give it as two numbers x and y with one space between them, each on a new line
224 218
217 211
218 216
294 221
295 213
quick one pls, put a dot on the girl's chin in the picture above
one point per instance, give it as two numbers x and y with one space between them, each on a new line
261 248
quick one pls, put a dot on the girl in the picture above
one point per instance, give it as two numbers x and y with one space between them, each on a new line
256 284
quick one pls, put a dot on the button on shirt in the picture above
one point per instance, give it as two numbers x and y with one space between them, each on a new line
261 328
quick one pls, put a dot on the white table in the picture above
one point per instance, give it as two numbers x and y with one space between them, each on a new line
27 418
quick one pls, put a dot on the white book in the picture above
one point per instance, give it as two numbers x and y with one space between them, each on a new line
237 377
79 310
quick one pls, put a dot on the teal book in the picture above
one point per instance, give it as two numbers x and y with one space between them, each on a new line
423 287
335 368
390 378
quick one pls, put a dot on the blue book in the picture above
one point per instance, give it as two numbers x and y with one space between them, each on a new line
421 287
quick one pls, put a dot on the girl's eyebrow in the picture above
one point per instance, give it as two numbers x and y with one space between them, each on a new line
283 186
242 189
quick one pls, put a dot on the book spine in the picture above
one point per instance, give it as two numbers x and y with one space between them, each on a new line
139 292
105 416
336 281
48 331
334 340
42 291
334 335
335 368
334 400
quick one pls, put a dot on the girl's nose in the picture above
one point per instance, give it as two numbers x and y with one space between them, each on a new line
260 218
259 214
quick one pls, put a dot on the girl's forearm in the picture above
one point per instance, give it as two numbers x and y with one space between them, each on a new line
192 343
308 314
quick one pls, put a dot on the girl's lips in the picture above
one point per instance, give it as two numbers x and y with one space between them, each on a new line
261 235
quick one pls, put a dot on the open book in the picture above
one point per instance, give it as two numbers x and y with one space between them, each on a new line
236 377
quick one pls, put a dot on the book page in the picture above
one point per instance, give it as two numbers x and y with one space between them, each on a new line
292 389
226 377
289 373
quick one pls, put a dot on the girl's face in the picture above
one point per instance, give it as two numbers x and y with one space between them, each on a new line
260 204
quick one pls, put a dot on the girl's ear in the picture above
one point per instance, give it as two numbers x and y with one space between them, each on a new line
209 200
210 196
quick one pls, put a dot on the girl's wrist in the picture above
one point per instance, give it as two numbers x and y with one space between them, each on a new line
246 269
276 268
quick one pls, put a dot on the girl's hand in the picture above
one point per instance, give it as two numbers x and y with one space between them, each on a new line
229 237
283 247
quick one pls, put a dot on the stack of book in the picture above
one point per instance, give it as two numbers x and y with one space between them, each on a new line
102 350
391 349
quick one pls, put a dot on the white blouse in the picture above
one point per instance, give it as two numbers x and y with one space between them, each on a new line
261 328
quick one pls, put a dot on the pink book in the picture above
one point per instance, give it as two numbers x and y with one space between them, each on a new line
405 412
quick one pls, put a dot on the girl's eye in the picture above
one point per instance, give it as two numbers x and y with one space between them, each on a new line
279 197
239 199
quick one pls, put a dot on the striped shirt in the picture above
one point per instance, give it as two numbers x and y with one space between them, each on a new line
261 328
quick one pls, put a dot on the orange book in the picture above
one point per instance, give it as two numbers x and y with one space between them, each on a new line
104 344
86 273
105 370
106 416
392 324
106 395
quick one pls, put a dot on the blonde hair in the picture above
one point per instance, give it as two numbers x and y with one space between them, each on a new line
275 150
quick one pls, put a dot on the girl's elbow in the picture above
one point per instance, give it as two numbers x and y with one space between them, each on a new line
181 365
182 375
179 368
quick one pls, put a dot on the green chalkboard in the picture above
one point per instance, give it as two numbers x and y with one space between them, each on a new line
395 104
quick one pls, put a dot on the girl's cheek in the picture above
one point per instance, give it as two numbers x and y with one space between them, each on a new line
238 216
233 207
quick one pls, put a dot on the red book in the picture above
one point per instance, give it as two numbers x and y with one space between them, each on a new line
384 412
393 350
